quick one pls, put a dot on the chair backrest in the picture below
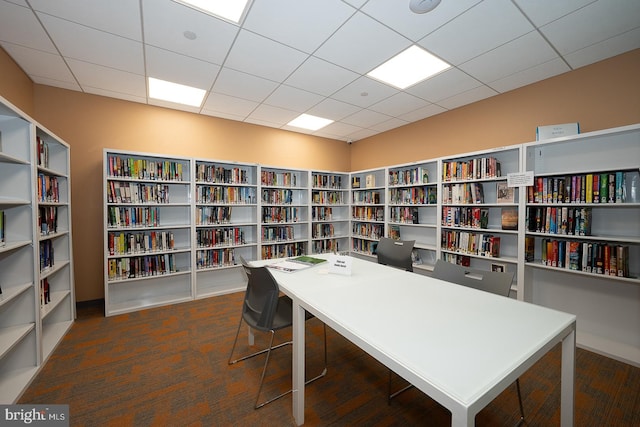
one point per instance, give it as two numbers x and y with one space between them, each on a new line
261 297
395 253
496 282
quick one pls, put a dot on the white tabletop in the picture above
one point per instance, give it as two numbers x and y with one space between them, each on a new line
460 346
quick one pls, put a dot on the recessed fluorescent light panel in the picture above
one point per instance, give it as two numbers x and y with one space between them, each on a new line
174 92
307 121
231 10
408 68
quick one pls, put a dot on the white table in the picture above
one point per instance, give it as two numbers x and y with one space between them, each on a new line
460 346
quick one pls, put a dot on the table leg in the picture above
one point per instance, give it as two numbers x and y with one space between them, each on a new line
462 418
298 363
568 378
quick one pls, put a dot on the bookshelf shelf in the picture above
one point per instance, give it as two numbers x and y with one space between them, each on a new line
33 180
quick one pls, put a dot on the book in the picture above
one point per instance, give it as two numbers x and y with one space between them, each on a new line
370 181
529 248
394 232
3 225
506 194
291 265
509 218
355 182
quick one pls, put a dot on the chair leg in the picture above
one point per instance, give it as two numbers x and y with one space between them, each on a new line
520 402
324 371
235 341
394 394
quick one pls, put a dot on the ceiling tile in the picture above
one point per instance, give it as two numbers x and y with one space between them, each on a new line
61 84
468 97
606 49
229 105
392 123
21 27
365 118
332 109
166 65
480 29
97 47
320 77
423 113
120 17
303 25
398 104
530 75
444 85
292 98
585 27
364 92
173 105
517 55
257 55
216 102
242 85
542 12
275 115
336 129
37 63
362 44
415 26
361 134
96 76
165 24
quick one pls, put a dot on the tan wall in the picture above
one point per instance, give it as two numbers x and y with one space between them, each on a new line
599 96
15 85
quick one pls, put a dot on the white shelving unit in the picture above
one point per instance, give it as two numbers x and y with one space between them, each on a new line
226 224
299 212
53 195
284 212
607 306
329 212
368 191
30 326
148 231
479 212
412 209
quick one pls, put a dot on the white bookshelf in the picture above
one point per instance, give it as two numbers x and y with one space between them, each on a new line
412 209
471 210
606 305
368 205
148 233
329 212
284 212
30 327
226 224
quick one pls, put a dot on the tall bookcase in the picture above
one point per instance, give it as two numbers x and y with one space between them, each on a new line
412 209
368 191
480 211
329 212
37 303
284 218
148 232
582 231
226 224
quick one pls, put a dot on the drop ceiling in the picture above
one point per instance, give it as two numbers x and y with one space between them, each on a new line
311 56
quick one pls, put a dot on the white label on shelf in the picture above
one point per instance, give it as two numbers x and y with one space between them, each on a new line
520 179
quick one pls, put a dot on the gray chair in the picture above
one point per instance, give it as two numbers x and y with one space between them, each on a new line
395 253
265 309
498 283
